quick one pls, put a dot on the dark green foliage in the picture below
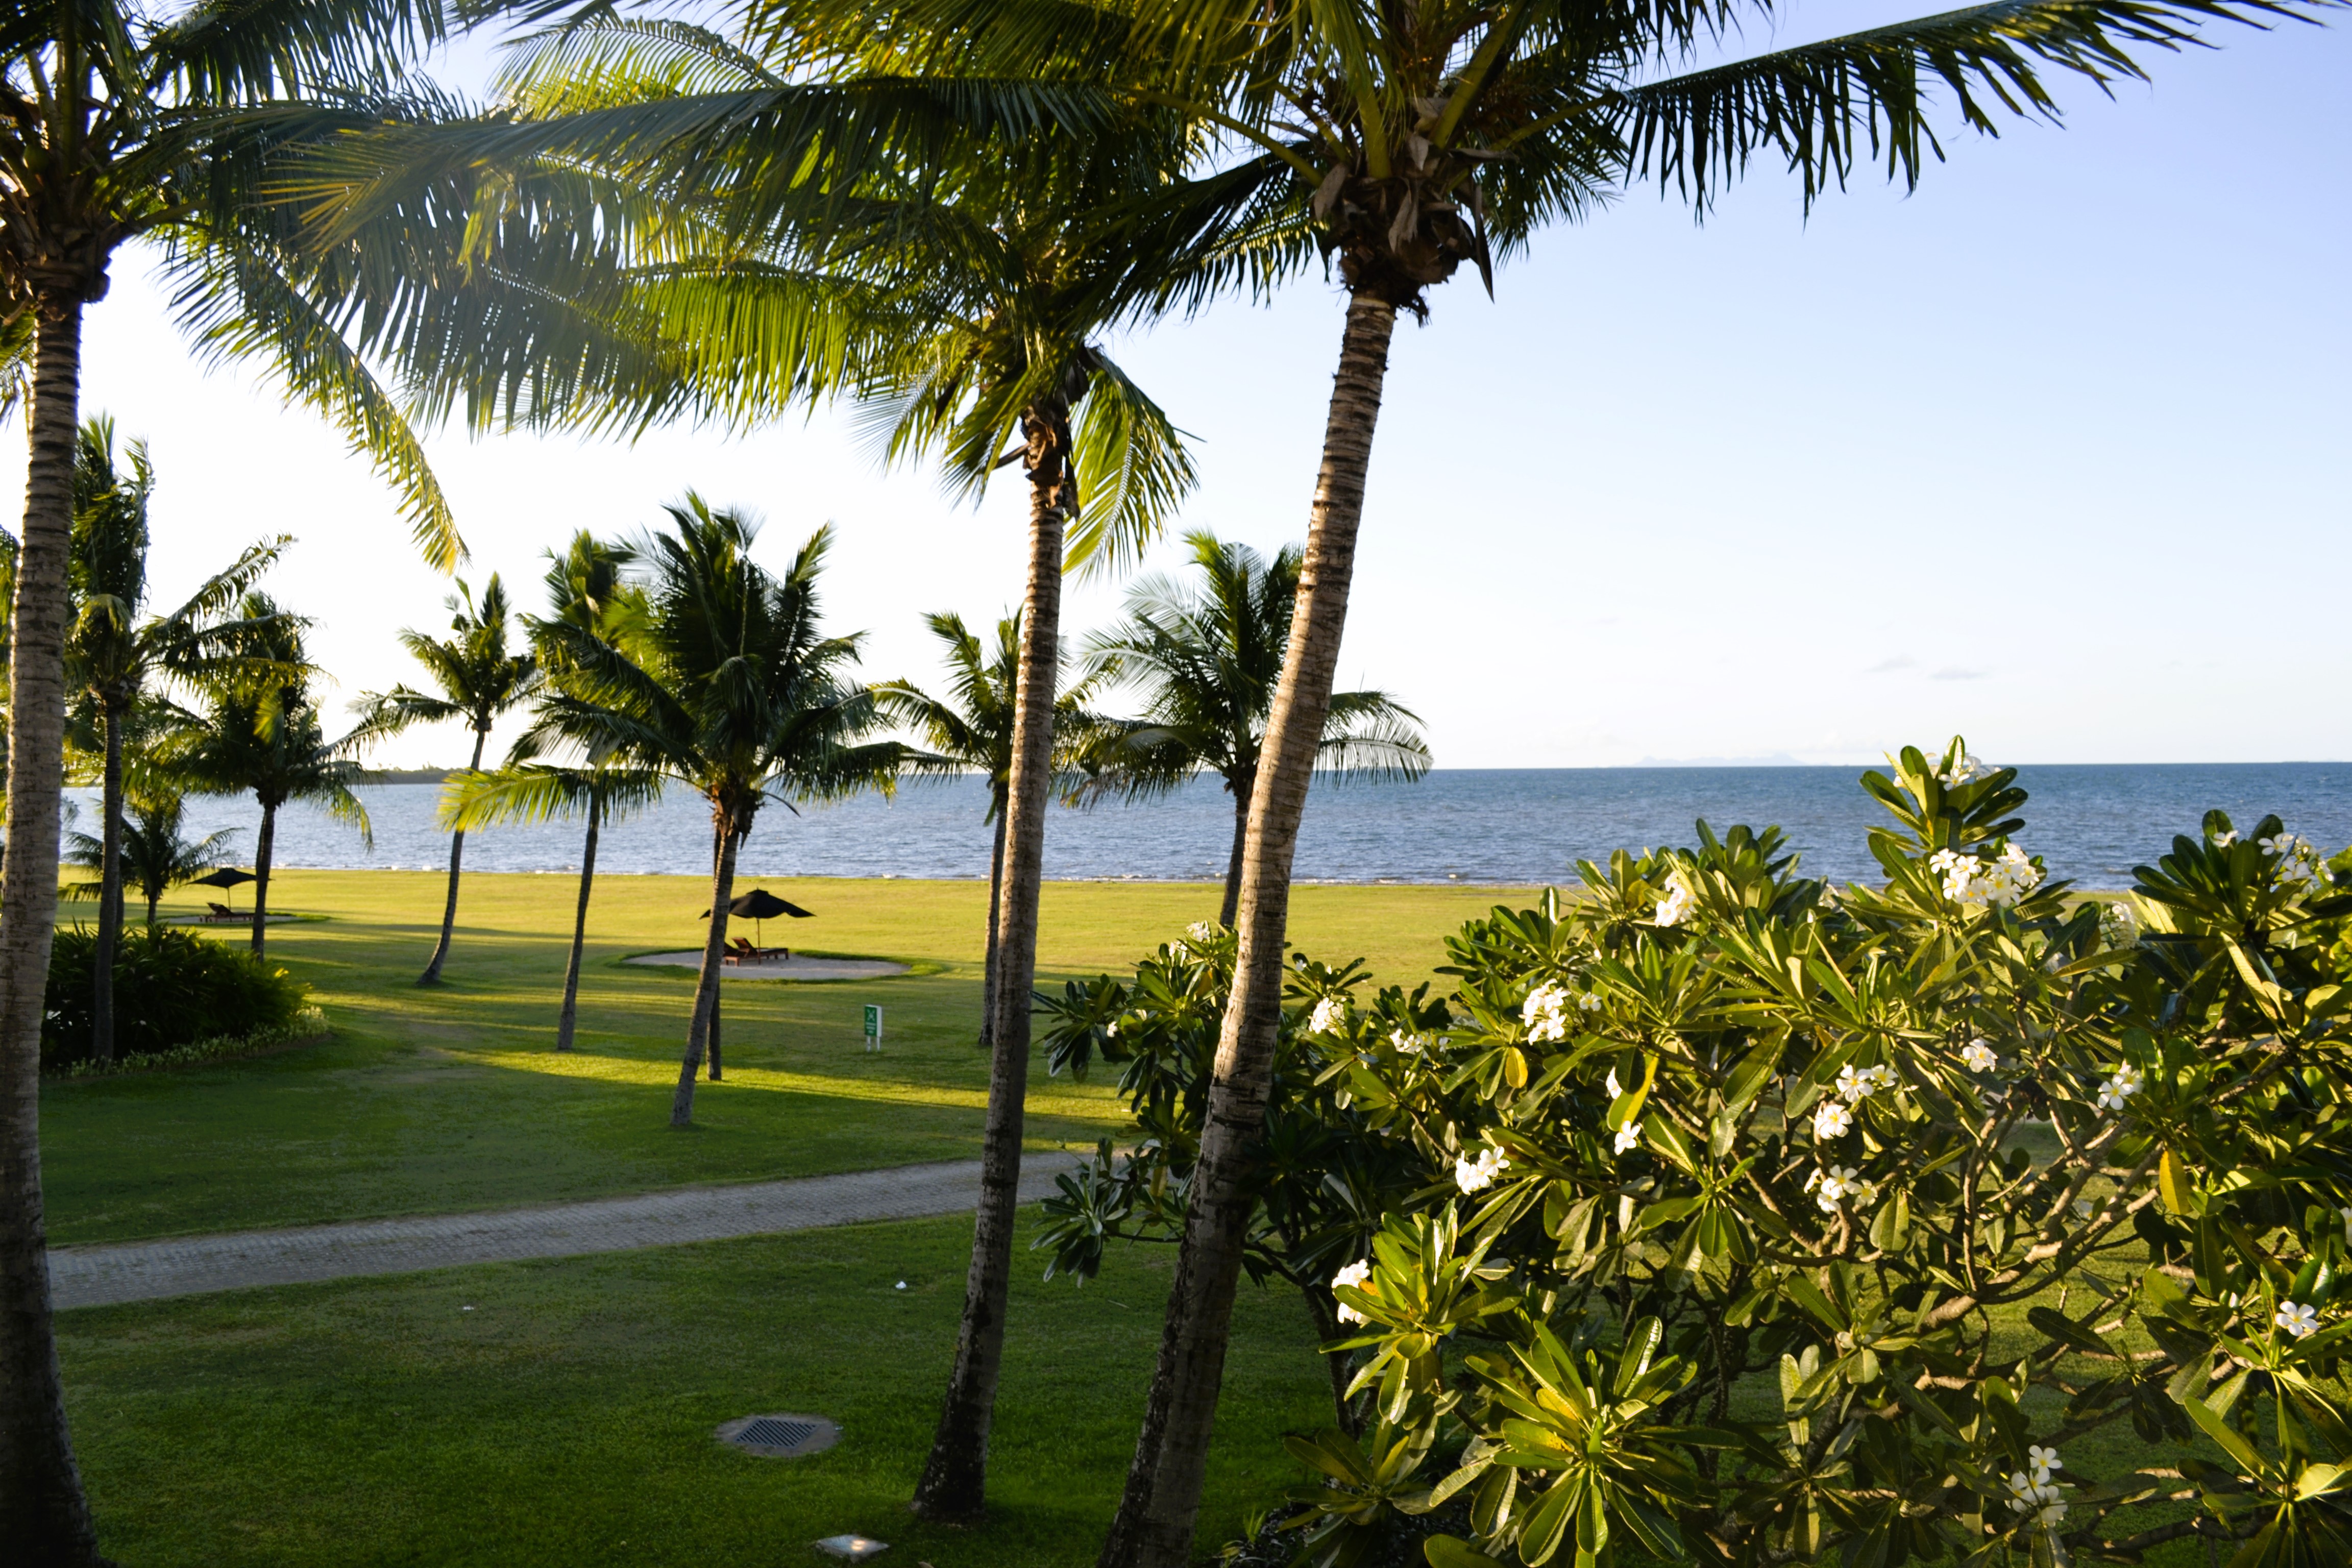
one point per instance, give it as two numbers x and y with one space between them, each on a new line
172 987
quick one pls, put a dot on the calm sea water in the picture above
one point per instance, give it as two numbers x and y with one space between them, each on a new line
1499 825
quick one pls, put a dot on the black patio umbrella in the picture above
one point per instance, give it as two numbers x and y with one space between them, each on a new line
225 878
760 905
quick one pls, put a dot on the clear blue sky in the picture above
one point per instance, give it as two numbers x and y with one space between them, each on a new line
2052 452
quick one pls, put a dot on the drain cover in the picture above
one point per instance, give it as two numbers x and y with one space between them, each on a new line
781 1436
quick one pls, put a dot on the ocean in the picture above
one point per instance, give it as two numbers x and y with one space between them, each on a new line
1512 826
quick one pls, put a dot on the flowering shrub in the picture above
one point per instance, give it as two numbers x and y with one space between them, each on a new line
1725 1215
1839 1216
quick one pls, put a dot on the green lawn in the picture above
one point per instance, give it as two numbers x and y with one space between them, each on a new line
567 1419
449 1098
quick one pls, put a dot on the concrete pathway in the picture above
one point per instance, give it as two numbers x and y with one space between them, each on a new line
184 1266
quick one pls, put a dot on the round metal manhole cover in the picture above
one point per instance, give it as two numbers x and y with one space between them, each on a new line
779 1436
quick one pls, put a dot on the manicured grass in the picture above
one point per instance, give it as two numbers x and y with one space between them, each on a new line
567 1420
448 1099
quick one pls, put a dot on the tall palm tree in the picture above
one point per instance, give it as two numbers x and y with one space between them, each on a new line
266 736
732 690
1208 662
591 598
114 656
481 679
124 124
672 221
972 729
1402 142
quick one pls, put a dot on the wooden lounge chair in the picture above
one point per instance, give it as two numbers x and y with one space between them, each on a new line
739 950
219 913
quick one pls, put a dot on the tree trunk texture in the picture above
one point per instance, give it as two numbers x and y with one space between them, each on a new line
1153 1528
706 989
44 1517
264 843
565 1019
996 922
432 976
109 894
717 1015
1240 789
955 1479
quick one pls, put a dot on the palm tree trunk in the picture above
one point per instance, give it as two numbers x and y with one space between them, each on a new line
995 913
263 844
706 990
1154 1525
110 893
432 976
718 1012
566 1018
1240 788
43 1514
955 1482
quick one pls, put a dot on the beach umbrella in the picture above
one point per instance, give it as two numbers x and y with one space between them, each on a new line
759 906
225 878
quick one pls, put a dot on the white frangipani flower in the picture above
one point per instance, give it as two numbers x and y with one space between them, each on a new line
1832 1185
2223 840
1330 1016
1477 1176
2298 860
1986 882
1545 1013
1612 1085
1358 1274
1200 930
1629 1137
1965 769
1410 1045
2043 1460
1676 904
2301 1321
1858 1084
1590 1001
1978 1057
2119 926
1831 1120
2116 1092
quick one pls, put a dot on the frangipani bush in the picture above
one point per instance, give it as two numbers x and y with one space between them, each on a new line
1727 1216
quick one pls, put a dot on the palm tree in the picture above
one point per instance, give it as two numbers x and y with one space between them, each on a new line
480 680
972 729
593 599
266 736
779 232
112 656
731 689
154 855
1403 141
129 122
1209 662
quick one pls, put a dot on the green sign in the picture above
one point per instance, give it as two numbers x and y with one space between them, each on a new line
873 1026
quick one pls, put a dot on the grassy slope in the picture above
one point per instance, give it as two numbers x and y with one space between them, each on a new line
567 1420
431 1101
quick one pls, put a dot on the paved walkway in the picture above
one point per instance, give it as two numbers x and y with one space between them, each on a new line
144 1271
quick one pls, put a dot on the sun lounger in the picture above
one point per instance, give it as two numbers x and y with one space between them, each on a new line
219 913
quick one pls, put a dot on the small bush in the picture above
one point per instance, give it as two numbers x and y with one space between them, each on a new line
171 989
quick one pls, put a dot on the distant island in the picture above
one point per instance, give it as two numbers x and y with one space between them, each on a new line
412 775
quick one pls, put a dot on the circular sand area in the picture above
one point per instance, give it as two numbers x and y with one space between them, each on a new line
793 968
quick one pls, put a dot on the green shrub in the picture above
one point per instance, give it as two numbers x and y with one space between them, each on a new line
171 988
1761 1221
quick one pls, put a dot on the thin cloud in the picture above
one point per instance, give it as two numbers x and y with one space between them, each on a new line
1954 673
1889 666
